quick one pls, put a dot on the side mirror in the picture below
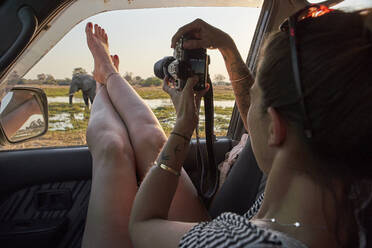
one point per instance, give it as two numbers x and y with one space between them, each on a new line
23 115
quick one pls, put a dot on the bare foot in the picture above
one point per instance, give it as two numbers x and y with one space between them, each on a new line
115 60
98 46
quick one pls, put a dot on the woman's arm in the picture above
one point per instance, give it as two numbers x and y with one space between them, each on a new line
207 36
241 79
148 225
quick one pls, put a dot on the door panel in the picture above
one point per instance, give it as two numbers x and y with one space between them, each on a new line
23 223
22 168
44 194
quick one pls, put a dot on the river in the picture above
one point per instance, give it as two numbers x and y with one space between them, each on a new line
153 103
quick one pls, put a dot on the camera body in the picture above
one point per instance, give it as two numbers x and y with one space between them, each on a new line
185 63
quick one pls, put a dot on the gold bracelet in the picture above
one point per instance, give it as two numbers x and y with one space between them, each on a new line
240 79
109 75
169 169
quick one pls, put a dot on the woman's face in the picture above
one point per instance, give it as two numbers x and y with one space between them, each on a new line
258 128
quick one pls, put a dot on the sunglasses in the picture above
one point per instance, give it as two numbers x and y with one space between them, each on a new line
289 25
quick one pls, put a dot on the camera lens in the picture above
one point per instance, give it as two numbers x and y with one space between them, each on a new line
161 67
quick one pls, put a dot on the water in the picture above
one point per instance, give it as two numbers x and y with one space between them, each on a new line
62 121
153 103
65 99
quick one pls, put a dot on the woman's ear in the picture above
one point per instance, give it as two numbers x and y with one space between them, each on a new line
277 128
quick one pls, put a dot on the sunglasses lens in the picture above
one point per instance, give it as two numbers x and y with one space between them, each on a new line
314 12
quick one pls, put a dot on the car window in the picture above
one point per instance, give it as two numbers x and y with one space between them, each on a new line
140 38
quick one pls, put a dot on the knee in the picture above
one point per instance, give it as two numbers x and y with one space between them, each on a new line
152 136
110 145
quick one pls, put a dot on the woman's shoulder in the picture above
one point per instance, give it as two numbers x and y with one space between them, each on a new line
233 230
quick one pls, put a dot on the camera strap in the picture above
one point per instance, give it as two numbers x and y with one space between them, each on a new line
209 172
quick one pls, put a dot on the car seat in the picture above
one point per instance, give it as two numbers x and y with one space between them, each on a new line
244 183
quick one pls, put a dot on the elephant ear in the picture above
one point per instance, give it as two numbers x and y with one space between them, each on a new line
87 82
73 86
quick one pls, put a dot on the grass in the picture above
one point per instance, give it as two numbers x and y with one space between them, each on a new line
220 92
57 108
151 92
55 91
76 135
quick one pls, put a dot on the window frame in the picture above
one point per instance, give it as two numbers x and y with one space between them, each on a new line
236 126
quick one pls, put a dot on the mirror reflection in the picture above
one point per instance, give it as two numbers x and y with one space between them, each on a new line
21 115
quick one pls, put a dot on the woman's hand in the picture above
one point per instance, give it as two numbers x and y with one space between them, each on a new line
186 103
206 36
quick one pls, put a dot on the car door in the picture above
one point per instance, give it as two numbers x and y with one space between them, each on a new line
44 192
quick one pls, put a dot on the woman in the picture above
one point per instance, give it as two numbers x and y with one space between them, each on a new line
314 149
125 138
310 127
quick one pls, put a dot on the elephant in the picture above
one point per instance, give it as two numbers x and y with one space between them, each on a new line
83 82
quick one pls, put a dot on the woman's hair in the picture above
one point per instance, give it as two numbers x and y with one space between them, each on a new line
335 61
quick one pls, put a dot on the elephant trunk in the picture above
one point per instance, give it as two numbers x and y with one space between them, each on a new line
70 98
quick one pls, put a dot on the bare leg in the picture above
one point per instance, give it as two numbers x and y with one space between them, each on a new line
115 154
114 183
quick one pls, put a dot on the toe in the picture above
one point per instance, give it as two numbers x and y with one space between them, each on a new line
88 28
101 32
115 60
96 29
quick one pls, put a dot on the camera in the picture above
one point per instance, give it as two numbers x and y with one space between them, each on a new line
183 64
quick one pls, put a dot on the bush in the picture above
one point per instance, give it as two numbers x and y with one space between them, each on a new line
151 81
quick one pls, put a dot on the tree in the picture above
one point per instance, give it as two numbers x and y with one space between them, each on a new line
129 77
41 77
65 81
79 70
49 79
138 79
151 81
219 78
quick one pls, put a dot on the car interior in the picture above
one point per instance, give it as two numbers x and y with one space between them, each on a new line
44 192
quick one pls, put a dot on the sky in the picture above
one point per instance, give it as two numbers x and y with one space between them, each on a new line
142 37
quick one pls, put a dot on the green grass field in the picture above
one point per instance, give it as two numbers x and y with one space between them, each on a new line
220 92
76 134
